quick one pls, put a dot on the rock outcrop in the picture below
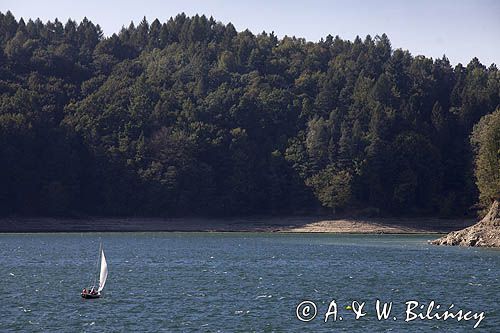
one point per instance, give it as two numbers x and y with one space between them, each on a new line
485 233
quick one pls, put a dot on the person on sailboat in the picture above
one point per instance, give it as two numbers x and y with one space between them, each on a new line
84 291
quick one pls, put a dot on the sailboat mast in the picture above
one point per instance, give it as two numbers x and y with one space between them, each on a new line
97 264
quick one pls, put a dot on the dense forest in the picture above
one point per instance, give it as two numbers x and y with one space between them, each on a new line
191 117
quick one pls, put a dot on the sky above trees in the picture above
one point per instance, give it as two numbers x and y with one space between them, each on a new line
460 29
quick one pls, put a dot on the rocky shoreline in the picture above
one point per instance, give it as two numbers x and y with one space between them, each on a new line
485 233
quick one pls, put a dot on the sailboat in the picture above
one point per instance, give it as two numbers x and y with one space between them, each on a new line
92 292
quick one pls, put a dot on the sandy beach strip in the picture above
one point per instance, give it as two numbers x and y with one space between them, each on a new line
256 224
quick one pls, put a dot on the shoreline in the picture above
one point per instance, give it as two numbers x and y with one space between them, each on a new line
303 224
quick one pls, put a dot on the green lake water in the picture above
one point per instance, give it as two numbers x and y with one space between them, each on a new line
240 282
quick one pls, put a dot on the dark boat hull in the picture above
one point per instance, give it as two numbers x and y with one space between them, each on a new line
89 296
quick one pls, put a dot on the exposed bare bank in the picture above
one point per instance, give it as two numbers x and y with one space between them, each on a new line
256 224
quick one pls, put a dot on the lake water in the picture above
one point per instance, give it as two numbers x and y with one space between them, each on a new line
240 282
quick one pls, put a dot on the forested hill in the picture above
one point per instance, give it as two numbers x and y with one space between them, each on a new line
191 117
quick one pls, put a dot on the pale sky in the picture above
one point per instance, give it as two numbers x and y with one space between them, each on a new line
461 29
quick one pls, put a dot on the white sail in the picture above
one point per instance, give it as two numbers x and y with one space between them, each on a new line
104 272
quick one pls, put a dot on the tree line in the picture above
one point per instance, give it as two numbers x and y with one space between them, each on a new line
191 117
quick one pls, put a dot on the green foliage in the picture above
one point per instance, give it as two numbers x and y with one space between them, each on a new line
486 141
332 187
191 117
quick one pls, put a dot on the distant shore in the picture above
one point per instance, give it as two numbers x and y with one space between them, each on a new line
256 224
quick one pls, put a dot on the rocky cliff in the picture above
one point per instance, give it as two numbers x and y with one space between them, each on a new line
485 233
